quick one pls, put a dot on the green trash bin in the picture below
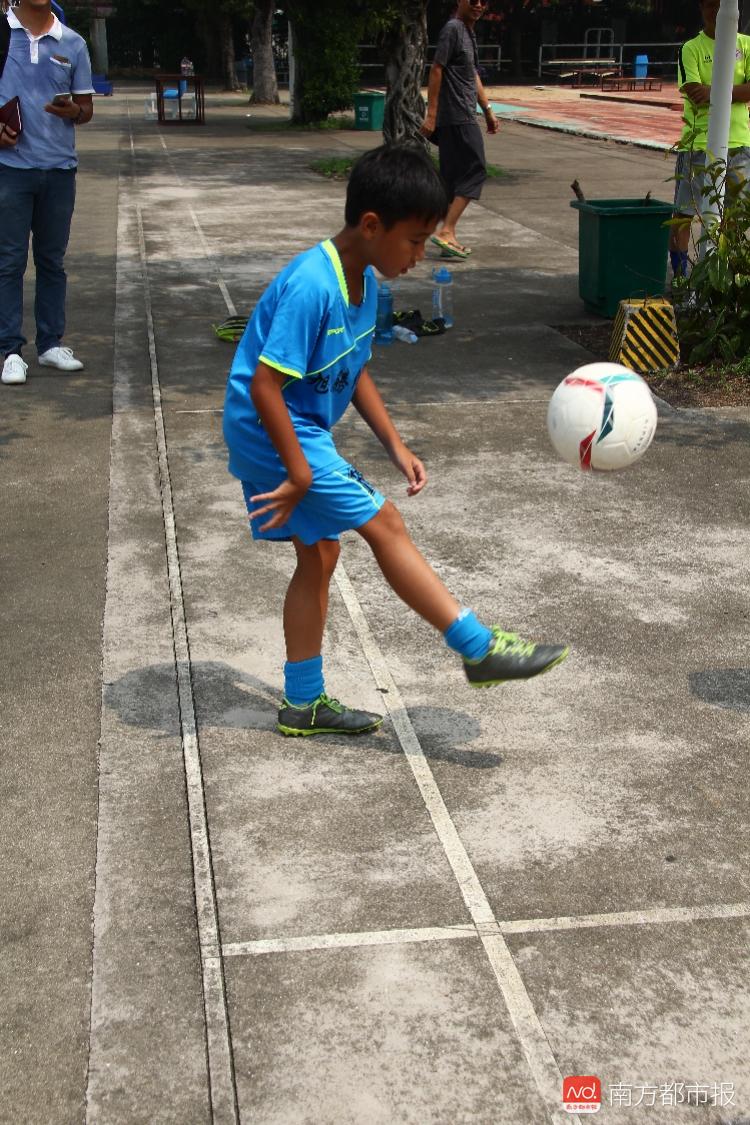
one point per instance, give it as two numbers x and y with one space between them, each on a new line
622 250
369 110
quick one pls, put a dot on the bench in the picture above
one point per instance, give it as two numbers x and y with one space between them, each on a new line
590 76
618 82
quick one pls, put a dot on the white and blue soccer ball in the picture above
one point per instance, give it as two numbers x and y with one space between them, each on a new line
602 416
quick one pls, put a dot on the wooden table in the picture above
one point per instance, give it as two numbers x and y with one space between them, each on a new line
186 85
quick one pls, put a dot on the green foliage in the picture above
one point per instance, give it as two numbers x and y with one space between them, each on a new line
326 38
334 167
339 167
715 298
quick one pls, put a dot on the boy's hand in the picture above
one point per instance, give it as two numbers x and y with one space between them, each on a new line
281 502
412 468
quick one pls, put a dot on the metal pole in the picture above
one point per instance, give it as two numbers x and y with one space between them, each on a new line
722 81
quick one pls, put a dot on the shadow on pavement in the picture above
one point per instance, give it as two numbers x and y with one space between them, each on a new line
226 697
723 687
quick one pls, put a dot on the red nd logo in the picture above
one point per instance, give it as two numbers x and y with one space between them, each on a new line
582 1093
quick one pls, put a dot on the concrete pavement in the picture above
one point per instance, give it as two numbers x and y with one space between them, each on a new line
648 119
437 922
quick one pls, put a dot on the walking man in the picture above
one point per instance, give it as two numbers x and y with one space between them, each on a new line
453 92
48 69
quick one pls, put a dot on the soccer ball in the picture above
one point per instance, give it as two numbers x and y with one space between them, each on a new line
601 416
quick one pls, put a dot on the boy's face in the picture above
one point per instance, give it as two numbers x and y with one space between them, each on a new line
396 251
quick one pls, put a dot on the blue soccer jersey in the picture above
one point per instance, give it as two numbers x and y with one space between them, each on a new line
304 327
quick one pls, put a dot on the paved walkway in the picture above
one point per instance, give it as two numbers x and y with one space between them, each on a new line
437 922
647 119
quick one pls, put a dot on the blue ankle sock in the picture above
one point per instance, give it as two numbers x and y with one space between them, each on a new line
303 681
468 636
679 260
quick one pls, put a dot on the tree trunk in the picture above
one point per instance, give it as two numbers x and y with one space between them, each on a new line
296 71
406 47
516 38
265 86
226 35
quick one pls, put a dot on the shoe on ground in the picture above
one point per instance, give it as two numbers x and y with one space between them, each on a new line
14 370
60 358
325 716
511 658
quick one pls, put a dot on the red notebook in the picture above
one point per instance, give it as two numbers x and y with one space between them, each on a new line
10 115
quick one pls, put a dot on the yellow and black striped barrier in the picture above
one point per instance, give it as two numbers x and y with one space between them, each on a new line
644 337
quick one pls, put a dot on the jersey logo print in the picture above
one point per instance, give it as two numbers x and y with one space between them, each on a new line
354 474
335 331
320 384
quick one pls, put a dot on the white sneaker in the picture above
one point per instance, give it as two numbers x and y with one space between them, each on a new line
61 358
14 370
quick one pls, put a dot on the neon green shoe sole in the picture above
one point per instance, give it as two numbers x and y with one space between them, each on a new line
511 658
324 716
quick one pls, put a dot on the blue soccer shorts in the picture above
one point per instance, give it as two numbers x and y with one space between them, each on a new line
336 501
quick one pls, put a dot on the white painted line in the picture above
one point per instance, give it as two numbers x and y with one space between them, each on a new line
348 941
534 1042
452 403
231 309
458 402
650 917
220 1063
659 915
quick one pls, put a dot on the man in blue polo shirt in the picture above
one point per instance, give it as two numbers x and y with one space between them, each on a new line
48 69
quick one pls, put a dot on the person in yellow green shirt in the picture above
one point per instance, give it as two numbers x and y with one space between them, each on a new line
695 71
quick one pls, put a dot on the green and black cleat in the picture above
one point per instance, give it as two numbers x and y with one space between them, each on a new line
511 658
231 329
325 716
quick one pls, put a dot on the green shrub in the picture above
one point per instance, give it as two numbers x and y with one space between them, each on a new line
325 43
714 301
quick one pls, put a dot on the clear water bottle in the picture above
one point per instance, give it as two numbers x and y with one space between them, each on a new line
442 296
405 334
384 315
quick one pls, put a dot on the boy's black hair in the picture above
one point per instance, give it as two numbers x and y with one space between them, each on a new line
397 182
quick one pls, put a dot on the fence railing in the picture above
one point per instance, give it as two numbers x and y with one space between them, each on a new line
372 64
554 57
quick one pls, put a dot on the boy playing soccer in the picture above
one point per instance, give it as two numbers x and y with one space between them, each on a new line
300 362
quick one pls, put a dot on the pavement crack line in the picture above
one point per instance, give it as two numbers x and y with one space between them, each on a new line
223 1091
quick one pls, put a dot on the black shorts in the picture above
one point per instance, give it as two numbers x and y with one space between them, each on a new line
462 161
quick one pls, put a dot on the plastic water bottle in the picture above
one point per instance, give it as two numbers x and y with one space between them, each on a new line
404 334
442 296
384 315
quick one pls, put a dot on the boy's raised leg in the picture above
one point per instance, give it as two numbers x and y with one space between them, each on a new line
491 656
407 571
